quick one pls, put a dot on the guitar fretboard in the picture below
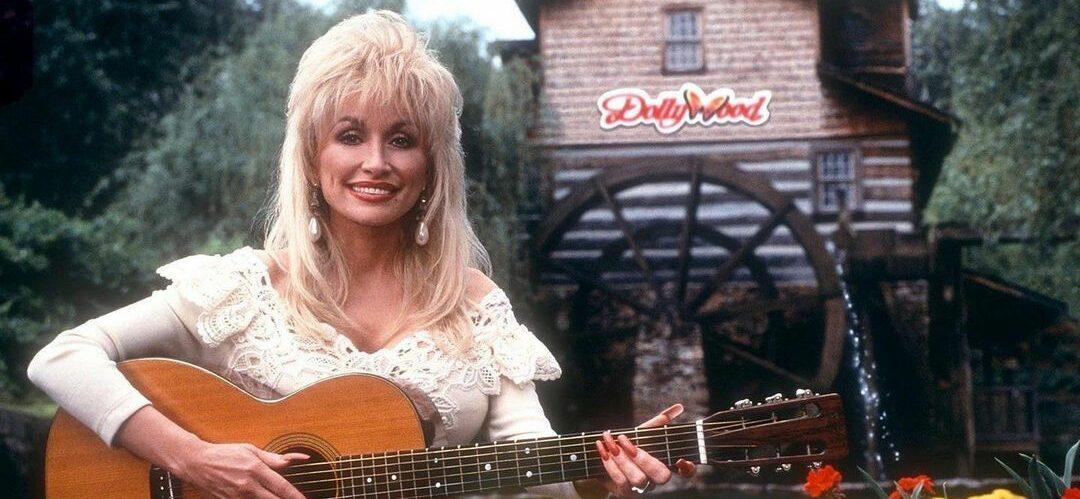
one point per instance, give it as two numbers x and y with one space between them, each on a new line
454 470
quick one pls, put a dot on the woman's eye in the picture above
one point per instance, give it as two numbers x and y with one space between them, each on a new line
350 138
402 141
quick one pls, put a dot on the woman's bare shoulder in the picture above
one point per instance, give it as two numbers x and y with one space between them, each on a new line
477 285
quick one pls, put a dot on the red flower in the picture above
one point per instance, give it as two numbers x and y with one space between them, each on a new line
907 485
1071 493
821 481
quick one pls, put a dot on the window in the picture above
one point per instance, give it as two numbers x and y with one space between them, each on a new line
683 52
836 187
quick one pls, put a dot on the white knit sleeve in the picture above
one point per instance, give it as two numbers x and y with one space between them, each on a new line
78 368
208 300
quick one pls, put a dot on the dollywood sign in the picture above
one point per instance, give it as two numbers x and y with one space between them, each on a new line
690 105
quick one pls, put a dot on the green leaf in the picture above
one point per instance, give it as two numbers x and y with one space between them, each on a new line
1038 485
1020 482
1070 457
873 484
1048 475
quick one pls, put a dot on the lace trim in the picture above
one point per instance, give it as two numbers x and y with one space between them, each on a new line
235 295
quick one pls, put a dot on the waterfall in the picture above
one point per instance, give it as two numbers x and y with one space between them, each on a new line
864 368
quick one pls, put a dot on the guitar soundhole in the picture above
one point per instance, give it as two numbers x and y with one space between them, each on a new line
317 477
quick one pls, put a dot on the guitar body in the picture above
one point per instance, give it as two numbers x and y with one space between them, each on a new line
349 414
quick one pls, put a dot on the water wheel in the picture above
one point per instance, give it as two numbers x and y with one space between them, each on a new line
667 269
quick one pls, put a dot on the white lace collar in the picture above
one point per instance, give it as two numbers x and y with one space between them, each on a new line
238 306
273 302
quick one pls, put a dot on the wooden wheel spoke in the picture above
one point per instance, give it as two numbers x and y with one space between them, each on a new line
747 356
599 284
764 305
686 238
735 259
628 233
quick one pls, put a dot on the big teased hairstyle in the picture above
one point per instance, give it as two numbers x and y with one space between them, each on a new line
382 62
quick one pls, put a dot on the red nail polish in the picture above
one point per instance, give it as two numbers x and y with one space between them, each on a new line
613 448
631 450
603 452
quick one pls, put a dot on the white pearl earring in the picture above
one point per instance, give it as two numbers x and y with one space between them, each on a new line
314 228
422 235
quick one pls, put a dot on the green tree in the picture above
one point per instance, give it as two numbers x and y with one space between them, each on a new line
104 72
1007 69
55 270
505 190
200 184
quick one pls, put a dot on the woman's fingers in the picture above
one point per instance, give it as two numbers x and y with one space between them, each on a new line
686 468
654 470
628 465
271 479
617 482
633 473
664 417
277 485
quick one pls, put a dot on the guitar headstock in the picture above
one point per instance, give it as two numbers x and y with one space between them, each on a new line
808 428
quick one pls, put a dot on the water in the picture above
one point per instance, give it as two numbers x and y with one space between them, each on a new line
876 431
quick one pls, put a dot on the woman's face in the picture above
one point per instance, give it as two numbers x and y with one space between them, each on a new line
371 167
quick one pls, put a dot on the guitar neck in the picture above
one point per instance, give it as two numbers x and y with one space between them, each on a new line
483 467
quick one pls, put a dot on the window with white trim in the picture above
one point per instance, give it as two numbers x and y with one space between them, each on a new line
683 51
836 186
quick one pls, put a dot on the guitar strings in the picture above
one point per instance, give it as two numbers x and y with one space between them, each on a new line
588 455
658 446
395 485
650 433
587 451
498 462
442 490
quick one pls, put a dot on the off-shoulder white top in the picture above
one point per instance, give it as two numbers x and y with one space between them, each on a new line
221 312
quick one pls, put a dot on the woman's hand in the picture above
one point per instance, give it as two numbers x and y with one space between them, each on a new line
628 466
238 470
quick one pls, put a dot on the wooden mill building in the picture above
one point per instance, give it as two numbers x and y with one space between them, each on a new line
698 265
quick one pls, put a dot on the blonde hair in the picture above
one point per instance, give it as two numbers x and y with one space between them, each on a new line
384 63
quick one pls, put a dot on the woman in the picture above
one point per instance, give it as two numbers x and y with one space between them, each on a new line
370 265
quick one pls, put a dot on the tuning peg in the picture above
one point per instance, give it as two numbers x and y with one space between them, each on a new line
774 398
755 470
742 404
815 465
802 393
783 468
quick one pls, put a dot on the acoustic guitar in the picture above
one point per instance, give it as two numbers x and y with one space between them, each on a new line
369 437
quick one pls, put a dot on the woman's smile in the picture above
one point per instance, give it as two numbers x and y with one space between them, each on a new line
373 192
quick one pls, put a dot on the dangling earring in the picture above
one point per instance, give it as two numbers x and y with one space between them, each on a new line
421 227
314 228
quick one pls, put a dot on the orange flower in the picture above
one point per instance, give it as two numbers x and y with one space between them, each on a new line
908 485
1071 493
821 481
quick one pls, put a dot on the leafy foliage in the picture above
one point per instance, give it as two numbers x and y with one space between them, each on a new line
1006 68
104 72
54 269
206 175
1041 481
